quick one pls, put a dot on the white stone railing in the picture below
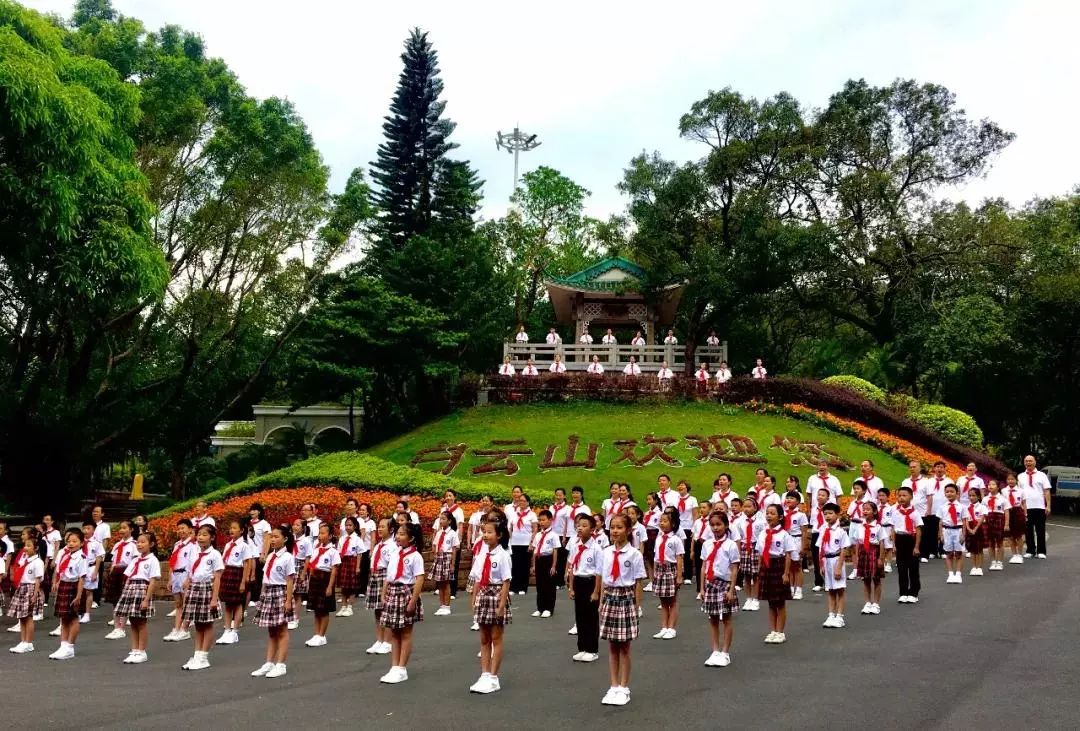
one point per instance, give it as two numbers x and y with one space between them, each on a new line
577 356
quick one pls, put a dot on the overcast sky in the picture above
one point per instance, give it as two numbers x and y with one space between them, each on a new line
601 81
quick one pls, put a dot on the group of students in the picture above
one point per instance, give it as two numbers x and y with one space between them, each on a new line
702 376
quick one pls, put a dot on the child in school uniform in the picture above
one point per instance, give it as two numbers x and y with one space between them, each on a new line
907 527
94 552
239 559
798 527
136 603
873 544
402 606
583 576
446 543
276 605
697 539
885 514
545 548
622 572
4 578
324 568
995 525
367 530
817 524
777 551
303 543
491 598
831 543
598 531
669 562
687 506
348 573
123 553
951 534
975 529
752 526
522 522
651 521
717 583
183 552
27 601
380 559
67 604
202 603
855 520
639 534
1015 517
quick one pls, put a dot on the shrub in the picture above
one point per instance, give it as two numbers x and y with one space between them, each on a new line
953 424
858 385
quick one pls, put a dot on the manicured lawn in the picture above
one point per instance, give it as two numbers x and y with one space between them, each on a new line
604 424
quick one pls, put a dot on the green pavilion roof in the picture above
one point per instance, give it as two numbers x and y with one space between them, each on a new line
609 274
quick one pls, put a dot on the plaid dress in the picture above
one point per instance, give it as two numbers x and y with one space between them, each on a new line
486 604
229 591
26 602
114 584
664 586
443 568
317 600
714 601
394 614
868 563
349 576
748 562
271 611
130 602
975 542
1017 523
995 528
374 590
772 584
300 578
197 604
618 614
64 603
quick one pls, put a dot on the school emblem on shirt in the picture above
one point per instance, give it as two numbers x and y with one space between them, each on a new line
588 560
494 564
626 564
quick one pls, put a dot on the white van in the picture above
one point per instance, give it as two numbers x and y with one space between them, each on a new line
1065 482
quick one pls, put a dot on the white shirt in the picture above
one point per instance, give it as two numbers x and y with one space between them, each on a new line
261 529
712 341
474 525
506 369
702 376
631 565
899 520
723 375
725 558
854 508
798 522
687 508
975 512
879 534
632 369
205 520
781 543
944 515
557 367
324 558
595 367
553 338
348 545
1034 484
601 539
590 560
885 513
638 535
181 555
701 527
671 340
935 487
873 484
34 570
52 541
669 551
313 527
412 567
638 340
123 553
144 568
449 538
236 552
965 483
561 520
665 374
838 540
1014 496
75 568
522 337
521 526
576 510
204 564
725 497
501 570
765 500
92 550
817 518
530 370
586 339
102 532
279 567
545 542
919 492
996 503
609 339
652 518
759 372
816 482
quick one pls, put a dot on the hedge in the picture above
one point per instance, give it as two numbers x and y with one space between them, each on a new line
950 423
354 471
859 385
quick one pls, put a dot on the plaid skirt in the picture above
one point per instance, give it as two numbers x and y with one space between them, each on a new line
995 528
374 590
394 615
348 576
1017 523
748 562
130 602
64 603
487 602
197 604
114 584
317 601
975 542
442 569
772 584
271 611
26 602
300 578
714 601
664 586
229 591
868 568
618 614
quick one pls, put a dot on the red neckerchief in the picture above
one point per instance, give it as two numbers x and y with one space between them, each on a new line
766 555
314 562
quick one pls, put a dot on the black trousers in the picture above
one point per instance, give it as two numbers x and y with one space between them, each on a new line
698 561
561 555
929 543
545 583
520 563
819 580
586 614
1036 530
365 571
255 585
907 564
453 577
688 557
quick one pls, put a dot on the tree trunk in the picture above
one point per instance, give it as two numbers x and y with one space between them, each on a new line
177 480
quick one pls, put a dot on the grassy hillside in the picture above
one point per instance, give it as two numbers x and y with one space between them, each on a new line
782 443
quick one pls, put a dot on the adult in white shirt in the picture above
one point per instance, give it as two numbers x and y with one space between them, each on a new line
632 368
639 340
553 338
522 524
311 520
609 338
1036 487
507 368
723 373
557 366
671 339
586 338
969 480
102 531
530 369
522 336
759 370
712 341
873 482
595 367
202 517
935 485
823 480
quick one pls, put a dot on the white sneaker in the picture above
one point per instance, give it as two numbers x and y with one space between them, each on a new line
875 609
577 656
313 642
277 671
348 611
396 675
480 684
959 578
546 614
902 599
770 638
1016 558
475 627
55 632
913 600
724 660
293 624
183 635
116 634
573 630
671 633
973 572
250 604
797 595
374 647
341 612
967 554
888 568
865 608
111 622
853 575
491 686
1041 555
662 634
757 605
780 639
688 582
93 605
201 661
648 587
171 614
534 614
385 649
829 621
713 660
262 670
748 605
171 637
17 627
589 657
1027 555
137 658
85 619
839 622
924 560
622 697
22 648
64 653
816 589
226 638
609 697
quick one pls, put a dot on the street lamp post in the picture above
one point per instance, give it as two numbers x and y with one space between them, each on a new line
516 142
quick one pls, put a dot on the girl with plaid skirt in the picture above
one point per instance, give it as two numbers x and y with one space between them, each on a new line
180 559
302 546
446 542
975 530
348 577
1015 517
668 572
276 606
717 584
491 603
872 546
402 607
202 603
995 525
239 559
123 553
749 528
136 603
380 559
777 550
27 600
623 570
323 570
70 571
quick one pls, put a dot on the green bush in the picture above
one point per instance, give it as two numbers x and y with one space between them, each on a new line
860 386
352 470
954 425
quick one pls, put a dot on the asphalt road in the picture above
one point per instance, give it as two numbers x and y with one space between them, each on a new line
999 651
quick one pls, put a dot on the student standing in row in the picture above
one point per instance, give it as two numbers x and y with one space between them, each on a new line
975 529
323 568
798 527
717 586
276 608
951 535
778 551
380 559
995 525
544 554
27 601
347 579
817 524
1015 517
491 604
446 545
907 527
136 603
668 562
183 553
562 524
583 576
873 545
832 543
202 604
239 560
124 552
402 606
623 570
94 552
70 573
